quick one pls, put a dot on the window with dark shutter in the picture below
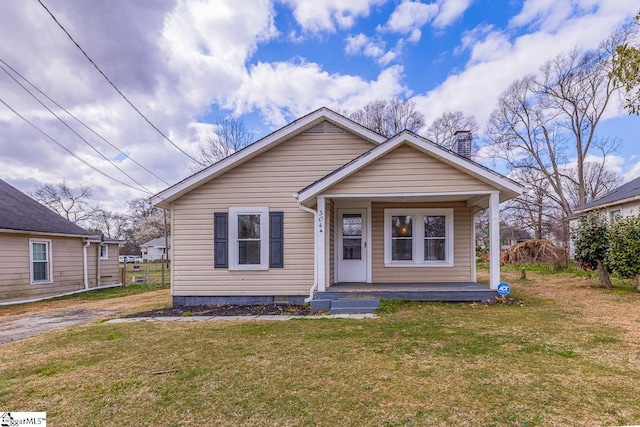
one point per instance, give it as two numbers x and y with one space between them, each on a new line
276 239
220 240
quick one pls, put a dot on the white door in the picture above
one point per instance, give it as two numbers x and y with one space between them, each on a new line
352 245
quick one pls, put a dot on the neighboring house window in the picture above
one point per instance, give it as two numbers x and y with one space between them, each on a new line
418 237
40 259
104 252
249 238
613 215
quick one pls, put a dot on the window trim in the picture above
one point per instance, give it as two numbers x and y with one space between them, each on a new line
417 215
106 252
49 252
233 238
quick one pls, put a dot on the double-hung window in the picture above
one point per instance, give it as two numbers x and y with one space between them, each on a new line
418 237
104 252
40 261
249 237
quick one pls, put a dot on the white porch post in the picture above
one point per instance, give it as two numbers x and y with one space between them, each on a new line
321 243
494 240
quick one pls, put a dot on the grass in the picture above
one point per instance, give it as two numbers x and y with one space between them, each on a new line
569 356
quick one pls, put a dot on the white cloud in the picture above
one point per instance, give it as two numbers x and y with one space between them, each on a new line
285 90
449 11
369 47
410 15
325 15
497 59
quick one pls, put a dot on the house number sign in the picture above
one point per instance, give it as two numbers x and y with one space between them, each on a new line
320 220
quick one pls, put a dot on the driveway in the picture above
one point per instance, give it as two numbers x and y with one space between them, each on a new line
26 320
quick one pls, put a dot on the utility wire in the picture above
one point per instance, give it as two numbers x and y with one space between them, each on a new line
116 88
69 151
78 120
73 130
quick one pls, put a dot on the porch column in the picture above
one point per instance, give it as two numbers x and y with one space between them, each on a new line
321 244
494 240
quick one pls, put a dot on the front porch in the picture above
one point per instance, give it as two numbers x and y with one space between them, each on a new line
365 297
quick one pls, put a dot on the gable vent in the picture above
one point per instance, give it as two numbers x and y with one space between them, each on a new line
325 127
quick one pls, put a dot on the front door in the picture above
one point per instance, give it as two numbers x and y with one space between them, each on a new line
352 245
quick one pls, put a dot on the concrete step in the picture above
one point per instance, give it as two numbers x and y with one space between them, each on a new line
347 305
320 304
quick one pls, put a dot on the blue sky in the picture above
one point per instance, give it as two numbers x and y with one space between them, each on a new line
183 61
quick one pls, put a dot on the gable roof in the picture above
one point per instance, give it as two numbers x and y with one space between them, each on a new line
159 242
294 128
508 187
626 192
20 213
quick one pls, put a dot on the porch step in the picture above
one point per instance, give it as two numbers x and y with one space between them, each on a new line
345 305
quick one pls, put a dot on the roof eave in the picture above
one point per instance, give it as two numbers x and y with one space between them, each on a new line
608 204
42 233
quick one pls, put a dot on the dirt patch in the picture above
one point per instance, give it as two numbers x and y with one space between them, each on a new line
25 320
227 310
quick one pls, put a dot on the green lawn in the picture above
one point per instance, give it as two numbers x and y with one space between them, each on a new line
568 356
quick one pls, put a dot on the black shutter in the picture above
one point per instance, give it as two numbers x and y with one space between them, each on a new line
276 239
220 240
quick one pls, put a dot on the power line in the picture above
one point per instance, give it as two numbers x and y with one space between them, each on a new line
69 151
115 87
73 130
78 120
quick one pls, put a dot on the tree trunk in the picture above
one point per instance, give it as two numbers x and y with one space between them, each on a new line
603 274
637 277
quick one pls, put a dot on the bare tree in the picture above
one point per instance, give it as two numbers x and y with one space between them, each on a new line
442 130
73 204
113 225
231 135
533 210
544 123
389 116
626 70
147 221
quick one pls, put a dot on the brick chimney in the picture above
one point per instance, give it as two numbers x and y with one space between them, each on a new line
462 143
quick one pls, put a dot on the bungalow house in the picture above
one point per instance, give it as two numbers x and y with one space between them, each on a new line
43 255
325 202
155 250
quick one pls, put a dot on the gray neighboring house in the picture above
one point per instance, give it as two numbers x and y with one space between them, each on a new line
623 201
43 255
154 250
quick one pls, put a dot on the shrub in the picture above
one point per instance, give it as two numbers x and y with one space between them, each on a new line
624 249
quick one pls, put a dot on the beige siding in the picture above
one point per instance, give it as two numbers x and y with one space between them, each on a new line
462 264
407 170
15 273
109 268
268 180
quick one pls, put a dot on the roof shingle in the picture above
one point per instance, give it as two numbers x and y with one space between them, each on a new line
20 212
625 191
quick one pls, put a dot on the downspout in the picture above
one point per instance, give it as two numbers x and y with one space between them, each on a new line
98 272
85 264
314 286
